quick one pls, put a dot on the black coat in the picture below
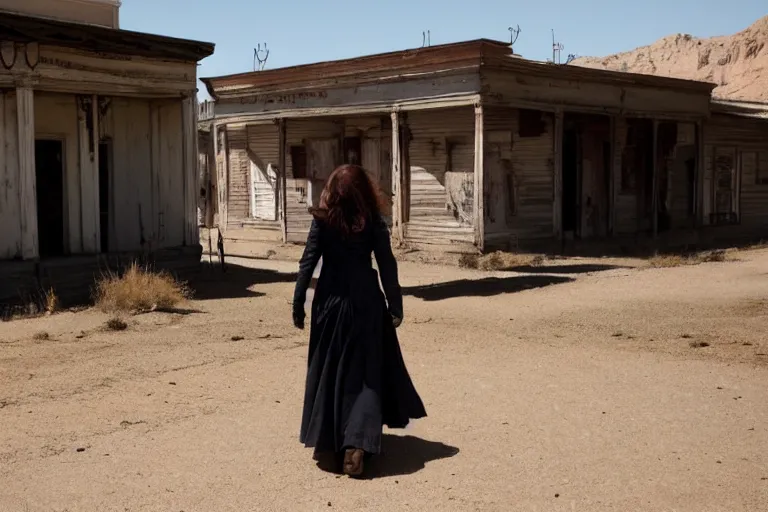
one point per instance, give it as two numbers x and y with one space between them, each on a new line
356 379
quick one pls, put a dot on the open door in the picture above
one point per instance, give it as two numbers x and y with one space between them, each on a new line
49 177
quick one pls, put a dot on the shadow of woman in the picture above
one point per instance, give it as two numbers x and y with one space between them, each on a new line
400 456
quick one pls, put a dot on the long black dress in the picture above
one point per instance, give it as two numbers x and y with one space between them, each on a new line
357 380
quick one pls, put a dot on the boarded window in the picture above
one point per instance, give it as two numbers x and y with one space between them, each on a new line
299 162
322 158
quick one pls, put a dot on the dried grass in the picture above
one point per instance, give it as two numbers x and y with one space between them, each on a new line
41 336
499 261
51 302
116 324
678 260
139 290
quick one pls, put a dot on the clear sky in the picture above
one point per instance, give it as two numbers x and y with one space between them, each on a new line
303 31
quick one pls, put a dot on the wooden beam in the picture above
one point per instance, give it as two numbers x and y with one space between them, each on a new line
463 100
191 172
92 199
655 186
283 178
222 173
25 118
612 176
557 200
698 205
479 193
397 180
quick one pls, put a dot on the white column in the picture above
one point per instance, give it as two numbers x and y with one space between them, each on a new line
397 180
479 199
191 172
25 116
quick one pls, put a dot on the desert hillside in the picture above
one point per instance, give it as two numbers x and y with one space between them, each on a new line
738 64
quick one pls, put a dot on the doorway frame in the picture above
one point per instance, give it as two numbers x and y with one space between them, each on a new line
62 139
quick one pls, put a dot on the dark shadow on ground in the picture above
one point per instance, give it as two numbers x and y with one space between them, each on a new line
211 283
487 287
406 455
584 268
400 455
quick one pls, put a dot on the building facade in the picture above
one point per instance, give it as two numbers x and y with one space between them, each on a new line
479 150
99 155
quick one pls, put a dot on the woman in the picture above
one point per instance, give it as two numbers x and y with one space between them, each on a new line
356 381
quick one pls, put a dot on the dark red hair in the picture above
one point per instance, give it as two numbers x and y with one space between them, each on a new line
349 200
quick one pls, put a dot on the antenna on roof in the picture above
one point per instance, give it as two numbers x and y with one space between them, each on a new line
571 57
514 33
557 49
426 39
258 61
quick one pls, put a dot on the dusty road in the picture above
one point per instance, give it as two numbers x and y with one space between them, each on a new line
574 388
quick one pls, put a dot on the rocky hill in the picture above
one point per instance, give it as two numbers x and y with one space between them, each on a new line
738 64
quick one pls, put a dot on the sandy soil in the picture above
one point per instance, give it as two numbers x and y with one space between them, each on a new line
572 387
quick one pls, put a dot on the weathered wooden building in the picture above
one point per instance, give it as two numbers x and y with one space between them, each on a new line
479 149
99 149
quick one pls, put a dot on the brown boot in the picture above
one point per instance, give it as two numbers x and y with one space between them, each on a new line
353 462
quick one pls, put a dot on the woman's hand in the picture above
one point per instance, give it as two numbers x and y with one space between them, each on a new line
298 318
396 321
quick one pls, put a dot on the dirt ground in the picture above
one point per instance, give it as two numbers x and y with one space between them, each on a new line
578 386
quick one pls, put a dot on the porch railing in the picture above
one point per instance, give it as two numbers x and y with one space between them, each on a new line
205 110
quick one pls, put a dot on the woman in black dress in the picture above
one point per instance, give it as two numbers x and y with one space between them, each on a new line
356 379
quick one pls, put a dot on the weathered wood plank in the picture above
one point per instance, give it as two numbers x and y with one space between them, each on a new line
190 175
283 173
10 207
377 93
25 112
397 179
557 199
479 176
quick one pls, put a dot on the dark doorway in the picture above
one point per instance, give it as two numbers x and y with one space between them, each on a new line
105 157
49 171
571 189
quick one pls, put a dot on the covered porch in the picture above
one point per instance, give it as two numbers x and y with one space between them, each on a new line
99 153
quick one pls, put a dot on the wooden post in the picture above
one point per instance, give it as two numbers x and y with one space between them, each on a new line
397 180
557 200
222 163
191 171
283 174
698 210
612 176
655 187
25 118
95 205
479 198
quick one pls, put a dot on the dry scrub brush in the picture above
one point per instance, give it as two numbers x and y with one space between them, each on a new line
500 260
677 260
139 290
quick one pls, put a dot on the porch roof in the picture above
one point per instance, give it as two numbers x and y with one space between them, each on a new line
29 29
476 54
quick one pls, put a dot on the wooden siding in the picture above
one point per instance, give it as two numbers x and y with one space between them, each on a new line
147 188
10 207
745 136
238 182
519 180
441 154
548 93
